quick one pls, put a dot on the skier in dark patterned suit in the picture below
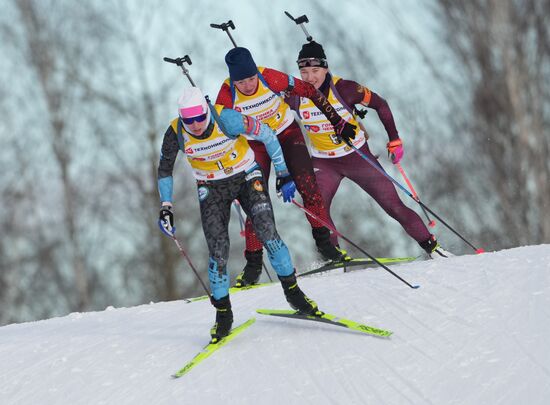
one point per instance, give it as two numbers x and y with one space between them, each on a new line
225 169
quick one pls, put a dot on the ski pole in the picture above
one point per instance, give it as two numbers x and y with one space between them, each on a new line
311 214
237 206
373 164
225 27
182 251
431 222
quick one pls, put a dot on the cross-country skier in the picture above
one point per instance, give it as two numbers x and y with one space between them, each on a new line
256 91
225 169
334 160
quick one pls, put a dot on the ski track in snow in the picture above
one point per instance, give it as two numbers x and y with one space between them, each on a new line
476 332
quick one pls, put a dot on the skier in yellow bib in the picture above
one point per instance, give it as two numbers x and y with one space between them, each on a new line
257 91
225 169
334 160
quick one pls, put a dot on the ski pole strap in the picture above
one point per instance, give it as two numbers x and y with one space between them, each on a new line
338 96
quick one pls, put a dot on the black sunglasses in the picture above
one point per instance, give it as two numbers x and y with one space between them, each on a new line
312 62
190 120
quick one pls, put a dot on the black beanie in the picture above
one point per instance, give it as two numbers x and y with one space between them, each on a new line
240 64
312 50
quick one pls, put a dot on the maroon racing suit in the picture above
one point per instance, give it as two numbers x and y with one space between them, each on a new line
331 170
294 150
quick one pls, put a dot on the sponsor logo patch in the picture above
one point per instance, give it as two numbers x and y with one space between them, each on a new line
252 174
313 128
228 171
258 186
189 151
306 114
203 193
261 207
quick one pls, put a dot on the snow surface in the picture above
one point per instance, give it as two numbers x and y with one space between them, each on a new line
476 332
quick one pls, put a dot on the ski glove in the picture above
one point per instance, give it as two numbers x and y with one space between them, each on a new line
166 220
395 151
285 186
345 130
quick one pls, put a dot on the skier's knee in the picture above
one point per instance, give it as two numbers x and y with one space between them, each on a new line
279 257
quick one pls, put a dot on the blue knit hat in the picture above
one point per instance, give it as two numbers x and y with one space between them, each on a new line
240 64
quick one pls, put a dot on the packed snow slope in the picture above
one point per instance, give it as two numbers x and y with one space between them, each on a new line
476 332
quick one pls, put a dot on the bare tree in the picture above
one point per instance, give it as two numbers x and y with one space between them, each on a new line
502 52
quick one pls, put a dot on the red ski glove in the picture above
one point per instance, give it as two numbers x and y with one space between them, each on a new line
395 151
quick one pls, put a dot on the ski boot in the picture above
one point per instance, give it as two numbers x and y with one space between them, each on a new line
224 319
296 297
325 246
252 270
434 249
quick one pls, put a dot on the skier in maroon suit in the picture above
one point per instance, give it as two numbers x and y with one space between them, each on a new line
333 158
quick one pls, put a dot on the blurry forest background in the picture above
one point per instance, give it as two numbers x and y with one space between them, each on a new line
85 99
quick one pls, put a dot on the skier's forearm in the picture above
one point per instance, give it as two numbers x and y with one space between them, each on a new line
169 153
307 90
165 187
236 123
273 148
384 113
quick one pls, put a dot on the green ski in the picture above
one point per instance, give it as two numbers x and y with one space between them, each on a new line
210 348
232 290
327 318
356 263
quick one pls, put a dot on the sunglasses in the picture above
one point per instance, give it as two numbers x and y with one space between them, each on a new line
190 120
312 62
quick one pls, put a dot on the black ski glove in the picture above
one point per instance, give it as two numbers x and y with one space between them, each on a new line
345 130
166 220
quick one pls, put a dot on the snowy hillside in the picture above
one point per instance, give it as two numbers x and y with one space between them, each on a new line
476 332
